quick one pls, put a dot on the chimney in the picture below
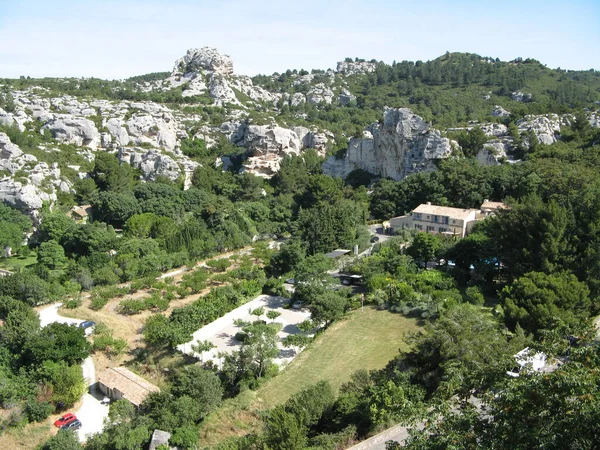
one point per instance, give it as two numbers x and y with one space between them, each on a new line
429 203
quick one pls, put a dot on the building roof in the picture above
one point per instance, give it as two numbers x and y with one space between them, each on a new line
133 387
159 437
81 211
337 253
493 205
453 213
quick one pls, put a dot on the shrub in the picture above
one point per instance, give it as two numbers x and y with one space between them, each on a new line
132 306
98 303
37 411
218 265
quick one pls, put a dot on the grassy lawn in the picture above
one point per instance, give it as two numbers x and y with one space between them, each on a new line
364 340
28 437
15 263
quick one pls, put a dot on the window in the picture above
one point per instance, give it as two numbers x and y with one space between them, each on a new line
430 228
418 227
435 219
417 216
445 220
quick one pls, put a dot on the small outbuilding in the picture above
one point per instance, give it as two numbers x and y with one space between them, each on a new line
119 382
159 438
81 213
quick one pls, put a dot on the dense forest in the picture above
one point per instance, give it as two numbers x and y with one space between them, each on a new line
526 277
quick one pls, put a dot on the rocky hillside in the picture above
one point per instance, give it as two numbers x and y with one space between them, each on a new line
387 120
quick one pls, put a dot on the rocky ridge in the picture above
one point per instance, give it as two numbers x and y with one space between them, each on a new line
402 145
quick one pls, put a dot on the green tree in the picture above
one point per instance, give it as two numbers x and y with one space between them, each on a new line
200 384
110 174
328 307
63 440
66 382
424 247
115 207
51 255
284 431
55 226
538 300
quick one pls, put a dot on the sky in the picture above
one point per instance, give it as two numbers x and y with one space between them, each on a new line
116 39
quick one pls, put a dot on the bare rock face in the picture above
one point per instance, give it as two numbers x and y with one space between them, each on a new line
521 96
346 97
546 128
205 59
493 153
353 68
27 194
404 144
320 93
73 130
153 164
266 146
499 111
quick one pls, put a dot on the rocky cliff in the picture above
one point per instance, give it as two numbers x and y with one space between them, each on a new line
402 145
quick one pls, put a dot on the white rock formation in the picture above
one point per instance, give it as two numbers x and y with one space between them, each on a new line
521 96
346 97
499 111
353 68
320 93
153 164
205 59
546 128
404 144
68 129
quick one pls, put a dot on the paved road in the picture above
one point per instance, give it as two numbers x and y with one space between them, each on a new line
398 433
91 412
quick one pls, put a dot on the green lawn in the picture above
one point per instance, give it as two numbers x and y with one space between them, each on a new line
15 263
367 339
363 340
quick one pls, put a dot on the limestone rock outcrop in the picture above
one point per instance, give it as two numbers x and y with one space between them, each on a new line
355 67
546 128
205 59
404 144
499 111
153 164
68 129
320 93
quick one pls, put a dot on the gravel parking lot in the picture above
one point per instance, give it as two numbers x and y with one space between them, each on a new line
221 332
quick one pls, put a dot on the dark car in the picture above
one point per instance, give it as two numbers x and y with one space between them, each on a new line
375 239
76 425
65 420
87 324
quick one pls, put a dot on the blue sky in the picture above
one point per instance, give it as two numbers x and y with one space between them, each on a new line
122 38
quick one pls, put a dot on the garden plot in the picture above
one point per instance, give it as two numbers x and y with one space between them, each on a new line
221 332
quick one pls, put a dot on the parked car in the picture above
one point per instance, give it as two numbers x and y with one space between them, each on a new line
76 425
87 324
374 239
65 420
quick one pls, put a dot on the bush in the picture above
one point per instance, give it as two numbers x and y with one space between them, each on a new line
219 265
73 303
37 411
274 286
98 303
130 307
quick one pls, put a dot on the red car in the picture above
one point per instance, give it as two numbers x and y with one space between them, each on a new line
65 420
